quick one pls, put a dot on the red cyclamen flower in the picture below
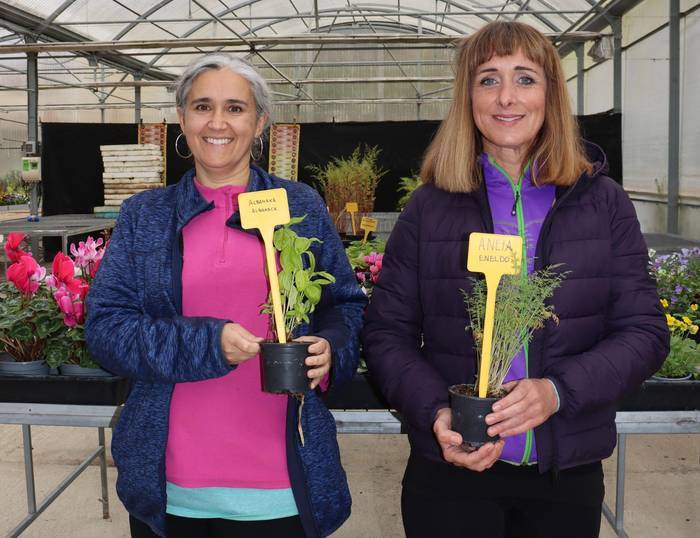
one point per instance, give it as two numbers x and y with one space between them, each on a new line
26 274
12 250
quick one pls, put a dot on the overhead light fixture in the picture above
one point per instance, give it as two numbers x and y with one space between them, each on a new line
602 49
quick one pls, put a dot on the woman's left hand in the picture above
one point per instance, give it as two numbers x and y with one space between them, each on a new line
528 404
320 359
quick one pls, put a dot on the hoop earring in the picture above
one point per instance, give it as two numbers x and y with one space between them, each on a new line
177 150
260 153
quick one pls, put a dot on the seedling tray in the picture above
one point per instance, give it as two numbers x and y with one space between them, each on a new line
60 389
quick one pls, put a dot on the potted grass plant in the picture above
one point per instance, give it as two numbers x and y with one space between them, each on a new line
283 364
521 309
349 179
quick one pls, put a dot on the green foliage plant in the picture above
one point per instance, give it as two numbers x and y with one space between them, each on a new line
357 250
683 357
28 323
521 309
406 186
300 284
351 179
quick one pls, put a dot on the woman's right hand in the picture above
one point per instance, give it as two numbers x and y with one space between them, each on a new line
450 442
238 344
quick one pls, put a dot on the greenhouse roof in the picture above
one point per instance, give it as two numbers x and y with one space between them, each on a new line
102 45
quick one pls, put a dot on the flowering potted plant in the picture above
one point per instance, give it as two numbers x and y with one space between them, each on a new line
366 259
28 314
42 317
678 282
521 309
284 368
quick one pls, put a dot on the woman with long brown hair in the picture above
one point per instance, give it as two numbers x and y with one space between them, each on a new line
508 159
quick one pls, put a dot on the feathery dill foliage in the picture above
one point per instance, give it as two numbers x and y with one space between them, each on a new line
520 310
351 179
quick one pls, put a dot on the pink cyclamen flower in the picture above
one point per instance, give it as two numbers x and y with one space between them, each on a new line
12 250
87 253
360 276
63 274
26 274
70 306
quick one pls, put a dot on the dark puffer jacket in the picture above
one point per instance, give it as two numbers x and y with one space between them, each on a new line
611 333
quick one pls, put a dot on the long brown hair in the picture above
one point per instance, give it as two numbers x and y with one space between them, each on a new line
451 160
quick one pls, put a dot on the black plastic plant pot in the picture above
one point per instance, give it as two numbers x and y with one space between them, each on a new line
283 368
468 414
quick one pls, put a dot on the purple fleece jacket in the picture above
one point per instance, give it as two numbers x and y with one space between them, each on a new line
611 335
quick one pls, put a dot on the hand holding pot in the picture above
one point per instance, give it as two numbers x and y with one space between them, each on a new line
238 344
450 442
320 359
528 404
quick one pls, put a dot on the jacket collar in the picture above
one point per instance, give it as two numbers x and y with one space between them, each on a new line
191 203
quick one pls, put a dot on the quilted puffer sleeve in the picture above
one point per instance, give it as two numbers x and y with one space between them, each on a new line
392 335
129 342
338 316
637 339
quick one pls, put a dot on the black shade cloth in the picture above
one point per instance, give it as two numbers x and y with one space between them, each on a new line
72 163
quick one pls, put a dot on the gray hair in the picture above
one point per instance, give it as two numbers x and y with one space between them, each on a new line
220 60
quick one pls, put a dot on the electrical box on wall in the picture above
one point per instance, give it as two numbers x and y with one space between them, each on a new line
31 169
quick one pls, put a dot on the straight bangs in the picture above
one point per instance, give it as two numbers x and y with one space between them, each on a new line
451 160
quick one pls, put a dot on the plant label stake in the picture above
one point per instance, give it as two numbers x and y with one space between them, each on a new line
494 255
368 225
264 210
351 207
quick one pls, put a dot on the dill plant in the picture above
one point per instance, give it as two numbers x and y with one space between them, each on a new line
521 309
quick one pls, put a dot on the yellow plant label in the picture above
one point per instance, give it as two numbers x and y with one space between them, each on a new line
264 210
494 255
351 207
368 224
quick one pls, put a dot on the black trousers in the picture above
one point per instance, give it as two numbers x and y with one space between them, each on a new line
503 502
185 527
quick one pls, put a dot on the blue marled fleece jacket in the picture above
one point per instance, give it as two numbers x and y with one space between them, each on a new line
136 329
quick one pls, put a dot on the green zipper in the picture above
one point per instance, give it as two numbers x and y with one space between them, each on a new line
518 207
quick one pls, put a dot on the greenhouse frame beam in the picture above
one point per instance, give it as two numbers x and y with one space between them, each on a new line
674 76
325 14
26 23
47 22
138 83
255 42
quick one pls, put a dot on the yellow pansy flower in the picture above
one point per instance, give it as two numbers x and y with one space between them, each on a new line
664 303
693 329
687 320
694 307
670 320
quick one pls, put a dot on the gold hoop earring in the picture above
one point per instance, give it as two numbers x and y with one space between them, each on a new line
177 150
260 153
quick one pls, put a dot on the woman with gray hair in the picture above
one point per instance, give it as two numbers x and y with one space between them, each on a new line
200 449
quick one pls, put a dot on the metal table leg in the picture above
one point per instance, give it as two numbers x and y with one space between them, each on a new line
616 520
103 473
29 467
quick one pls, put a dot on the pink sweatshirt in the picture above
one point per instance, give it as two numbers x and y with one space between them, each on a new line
226 432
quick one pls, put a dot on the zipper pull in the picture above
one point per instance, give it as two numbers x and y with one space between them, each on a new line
515 204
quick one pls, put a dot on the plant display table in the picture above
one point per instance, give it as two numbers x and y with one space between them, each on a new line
63 226
357 408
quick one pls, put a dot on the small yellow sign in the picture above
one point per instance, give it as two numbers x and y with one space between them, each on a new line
351 207
265 210
494 255
368 225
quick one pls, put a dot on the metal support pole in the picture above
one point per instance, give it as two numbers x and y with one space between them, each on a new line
137 102
617 64
673 116
580 81
29 467
620 485
33 132
103 473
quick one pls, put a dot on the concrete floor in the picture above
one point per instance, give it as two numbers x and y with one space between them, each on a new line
662 498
